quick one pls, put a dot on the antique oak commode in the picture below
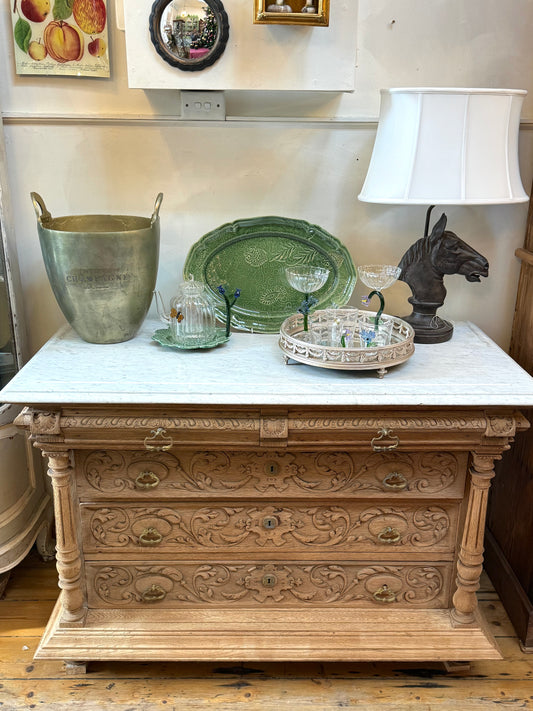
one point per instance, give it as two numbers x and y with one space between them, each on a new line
223 505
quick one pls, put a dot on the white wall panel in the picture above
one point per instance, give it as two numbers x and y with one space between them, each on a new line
265 57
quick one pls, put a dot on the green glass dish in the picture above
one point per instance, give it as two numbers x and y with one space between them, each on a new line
163 336
252 254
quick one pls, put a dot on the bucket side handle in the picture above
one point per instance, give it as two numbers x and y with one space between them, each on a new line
158 201
40 207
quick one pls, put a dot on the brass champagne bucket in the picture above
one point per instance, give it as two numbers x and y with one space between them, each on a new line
102 269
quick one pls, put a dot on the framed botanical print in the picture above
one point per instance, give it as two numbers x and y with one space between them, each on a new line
61 37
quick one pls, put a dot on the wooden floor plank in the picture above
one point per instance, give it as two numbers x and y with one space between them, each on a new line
23 618
258 691
495 615
27 668
22 585
26 683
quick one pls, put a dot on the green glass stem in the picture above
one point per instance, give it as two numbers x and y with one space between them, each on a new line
305 308
306 312
228 313
228 318
381 307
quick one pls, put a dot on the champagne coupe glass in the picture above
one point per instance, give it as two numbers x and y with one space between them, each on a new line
378 277
307 279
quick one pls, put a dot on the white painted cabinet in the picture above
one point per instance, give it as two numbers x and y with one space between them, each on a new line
25 502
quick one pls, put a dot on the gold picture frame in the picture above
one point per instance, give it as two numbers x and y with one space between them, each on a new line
298 16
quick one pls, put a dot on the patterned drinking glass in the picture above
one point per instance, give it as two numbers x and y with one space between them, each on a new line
378 277
307 279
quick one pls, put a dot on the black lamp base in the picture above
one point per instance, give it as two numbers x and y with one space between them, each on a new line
428 327
423 268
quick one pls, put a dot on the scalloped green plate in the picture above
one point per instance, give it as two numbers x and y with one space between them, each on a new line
252 254
163 336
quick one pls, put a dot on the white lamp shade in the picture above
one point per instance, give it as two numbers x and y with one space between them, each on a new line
446 146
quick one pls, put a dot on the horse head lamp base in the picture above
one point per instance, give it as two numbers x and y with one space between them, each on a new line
424 266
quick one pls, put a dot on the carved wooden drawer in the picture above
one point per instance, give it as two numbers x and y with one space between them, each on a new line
258 527
183 473
212 585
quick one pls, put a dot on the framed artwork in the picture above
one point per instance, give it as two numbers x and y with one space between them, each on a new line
61 37
292 12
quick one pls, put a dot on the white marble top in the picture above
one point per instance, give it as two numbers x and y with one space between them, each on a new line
468 370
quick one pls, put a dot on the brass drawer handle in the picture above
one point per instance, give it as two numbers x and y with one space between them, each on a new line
158 441
384 434
270 522
383 594
389 535
147 480
154 593
269 580
150 537
395 481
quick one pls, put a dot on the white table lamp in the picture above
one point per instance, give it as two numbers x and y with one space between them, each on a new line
442 146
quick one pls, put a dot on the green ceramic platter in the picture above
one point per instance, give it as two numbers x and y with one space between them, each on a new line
252 254
163 336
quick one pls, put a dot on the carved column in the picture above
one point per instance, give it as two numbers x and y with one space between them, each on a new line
67 548
470 563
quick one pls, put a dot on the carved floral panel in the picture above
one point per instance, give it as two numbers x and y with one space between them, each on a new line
274 472
269 584
269 527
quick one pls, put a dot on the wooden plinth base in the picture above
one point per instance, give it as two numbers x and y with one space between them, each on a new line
267 635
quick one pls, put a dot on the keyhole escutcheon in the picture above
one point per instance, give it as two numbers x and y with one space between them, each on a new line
269 580
270 522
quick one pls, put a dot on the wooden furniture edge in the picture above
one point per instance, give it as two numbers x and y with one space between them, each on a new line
524 255
514 599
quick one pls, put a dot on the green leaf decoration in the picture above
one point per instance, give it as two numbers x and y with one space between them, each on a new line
22 34
62 9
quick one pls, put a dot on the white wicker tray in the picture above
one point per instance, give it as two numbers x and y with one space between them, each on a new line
294 345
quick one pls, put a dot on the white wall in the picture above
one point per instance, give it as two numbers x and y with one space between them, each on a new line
94 145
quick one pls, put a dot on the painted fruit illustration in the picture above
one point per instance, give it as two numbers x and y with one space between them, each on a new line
90 15
35 10
63 42
97 47
37 51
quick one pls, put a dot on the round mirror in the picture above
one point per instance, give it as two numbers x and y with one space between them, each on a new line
189 34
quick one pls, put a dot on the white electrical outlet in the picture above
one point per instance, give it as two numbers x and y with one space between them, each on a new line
203 105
